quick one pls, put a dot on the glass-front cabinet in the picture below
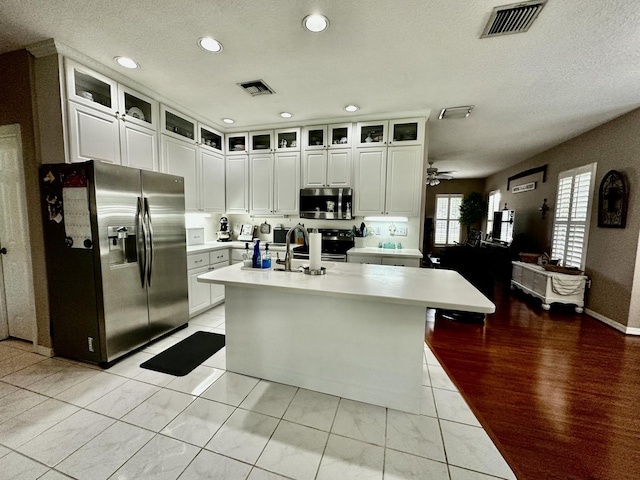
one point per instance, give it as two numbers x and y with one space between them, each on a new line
406 131
178 125
90 88
237 143
210 138
318 137
339 135
371 134
261 142
138 108
287 139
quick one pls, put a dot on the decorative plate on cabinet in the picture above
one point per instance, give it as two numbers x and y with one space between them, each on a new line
135 112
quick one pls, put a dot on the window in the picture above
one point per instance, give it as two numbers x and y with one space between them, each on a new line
447 228
573 210
493 205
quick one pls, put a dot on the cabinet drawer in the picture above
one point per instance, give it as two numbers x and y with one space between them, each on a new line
219 256
197 260
218 266
369 259
401 262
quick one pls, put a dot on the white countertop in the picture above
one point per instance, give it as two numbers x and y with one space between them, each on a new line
386 252
383 283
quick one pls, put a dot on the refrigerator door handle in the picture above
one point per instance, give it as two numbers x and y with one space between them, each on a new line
149 224
142 244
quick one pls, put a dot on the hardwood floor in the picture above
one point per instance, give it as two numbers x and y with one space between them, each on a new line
558 391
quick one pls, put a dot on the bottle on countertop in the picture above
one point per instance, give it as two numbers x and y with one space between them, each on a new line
246 257
266 257
257 258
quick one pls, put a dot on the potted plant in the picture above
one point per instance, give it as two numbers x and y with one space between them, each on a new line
472 209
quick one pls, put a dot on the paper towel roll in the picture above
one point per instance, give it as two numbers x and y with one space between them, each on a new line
315 249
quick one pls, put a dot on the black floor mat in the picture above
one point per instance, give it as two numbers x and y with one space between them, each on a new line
186 355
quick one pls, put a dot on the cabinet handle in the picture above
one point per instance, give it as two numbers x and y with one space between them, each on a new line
198 261
117 113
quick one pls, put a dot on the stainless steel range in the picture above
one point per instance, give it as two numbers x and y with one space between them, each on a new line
335 244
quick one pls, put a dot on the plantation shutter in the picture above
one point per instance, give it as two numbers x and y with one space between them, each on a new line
447 224
573 210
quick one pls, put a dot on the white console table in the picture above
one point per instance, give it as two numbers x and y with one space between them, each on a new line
550 287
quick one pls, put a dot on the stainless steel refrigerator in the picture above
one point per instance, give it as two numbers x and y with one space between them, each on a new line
116 258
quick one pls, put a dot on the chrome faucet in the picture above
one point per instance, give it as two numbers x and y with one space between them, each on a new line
287 256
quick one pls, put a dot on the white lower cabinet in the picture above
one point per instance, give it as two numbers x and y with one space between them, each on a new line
382 260
203 296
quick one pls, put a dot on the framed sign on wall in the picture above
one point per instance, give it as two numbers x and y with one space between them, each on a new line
612 201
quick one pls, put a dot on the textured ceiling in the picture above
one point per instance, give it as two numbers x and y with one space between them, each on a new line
576 68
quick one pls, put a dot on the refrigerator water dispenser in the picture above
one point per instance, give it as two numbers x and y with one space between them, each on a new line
123 247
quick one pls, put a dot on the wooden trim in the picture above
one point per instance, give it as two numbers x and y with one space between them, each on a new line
526 173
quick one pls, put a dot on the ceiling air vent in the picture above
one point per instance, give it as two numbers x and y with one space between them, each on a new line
257 87
514 18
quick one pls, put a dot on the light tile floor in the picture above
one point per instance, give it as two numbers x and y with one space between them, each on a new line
60 419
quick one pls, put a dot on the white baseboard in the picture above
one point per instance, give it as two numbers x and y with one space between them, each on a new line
46 351
612 323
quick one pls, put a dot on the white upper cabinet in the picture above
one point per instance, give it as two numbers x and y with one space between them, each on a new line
177 125
261 179
286 184
327 156
181 158
237 183
109 121
210 139
261 142
237 144
388 181
287 140
406 131
211 181
371 134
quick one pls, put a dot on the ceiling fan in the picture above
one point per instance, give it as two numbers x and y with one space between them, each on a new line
434 177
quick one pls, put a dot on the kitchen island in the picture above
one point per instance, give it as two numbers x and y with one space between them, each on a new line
356 332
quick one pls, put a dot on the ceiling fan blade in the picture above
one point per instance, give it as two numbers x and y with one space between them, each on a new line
444 176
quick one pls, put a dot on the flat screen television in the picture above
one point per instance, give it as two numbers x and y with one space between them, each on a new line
503 227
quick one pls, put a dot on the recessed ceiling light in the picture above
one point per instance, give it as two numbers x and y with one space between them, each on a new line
210 45
352 108
126 62
315 23
286 115
228 120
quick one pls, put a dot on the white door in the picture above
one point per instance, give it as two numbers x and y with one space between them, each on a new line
139 146
93 135
17 302
315 169
180 158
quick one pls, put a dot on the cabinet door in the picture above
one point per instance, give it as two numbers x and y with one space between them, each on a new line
199 293
237 143
286 185
406 131
261 142
217 291
180 158
210 139
339 168
212 181
315 137
93 135
261 181
371 134
315 169
368 259
237 183
369 182
89 88
287 140
401 262
138 146
177 125
404 181
137 108
339 135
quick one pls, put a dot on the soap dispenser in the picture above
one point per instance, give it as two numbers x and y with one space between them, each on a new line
257 258
266 257
246 257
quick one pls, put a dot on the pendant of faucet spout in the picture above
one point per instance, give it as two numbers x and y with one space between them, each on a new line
287 255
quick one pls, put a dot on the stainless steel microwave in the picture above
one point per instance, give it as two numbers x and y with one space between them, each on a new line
328 203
